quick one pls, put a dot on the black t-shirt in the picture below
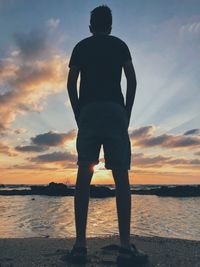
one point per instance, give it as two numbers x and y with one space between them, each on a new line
100 58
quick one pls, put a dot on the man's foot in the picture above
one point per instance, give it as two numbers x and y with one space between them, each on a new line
131 257
78 254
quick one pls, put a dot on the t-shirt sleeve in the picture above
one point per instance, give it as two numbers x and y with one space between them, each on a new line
125 55
75 59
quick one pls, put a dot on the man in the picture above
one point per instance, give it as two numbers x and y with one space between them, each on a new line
103 119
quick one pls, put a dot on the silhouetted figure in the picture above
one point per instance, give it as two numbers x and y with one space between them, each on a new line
103 119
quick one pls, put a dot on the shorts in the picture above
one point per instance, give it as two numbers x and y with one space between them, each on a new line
106 124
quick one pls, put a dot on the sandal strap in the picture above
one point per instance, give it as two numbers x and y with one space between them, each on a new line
79 249
132 250
78 255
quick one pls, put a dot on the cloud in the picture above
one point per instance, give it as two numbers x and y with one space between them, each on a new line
183 161
20 130
29 85
53 23
159 161
54 157
6 150
42 142
32 44
170 141
193 132
7 69
52 138
140 159
31 72
190 28
31 148
32 167
142 132
143 137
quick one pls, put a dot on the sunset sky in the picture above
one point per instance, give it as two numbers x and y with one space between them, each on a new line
37 126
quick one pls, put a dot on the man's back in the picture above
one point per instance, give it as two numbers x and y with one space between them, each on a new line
100 58
102 121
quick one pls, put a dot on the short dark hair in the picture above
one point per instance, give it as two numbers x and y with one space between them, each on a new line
101 18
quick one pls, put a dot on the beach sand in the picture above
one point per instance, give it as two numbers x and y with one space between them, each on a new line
52 251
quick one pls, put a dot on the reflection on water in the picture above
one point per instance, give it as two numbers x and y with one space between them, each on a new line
20 216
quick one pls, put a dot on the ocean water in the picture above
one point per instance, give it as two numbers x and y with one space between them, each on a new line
39 216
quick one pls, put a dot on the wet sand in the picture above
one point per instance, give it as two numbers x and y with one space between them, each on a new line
40 252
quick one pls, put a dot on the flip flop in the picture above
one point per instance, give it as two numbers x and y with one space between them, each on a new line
78 255
132 256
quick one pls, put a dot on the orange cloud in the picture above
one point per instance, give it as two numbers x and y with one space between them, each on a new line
143 137
6 150
28 76
30 148
52 138
54 157
158 161
31 83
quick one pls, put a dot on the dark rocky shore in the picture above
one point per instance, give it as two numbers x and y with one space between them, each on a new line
102 251
97 191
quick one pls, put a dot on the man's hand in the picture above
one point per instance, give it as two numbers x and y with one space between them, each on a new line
131 87
72 90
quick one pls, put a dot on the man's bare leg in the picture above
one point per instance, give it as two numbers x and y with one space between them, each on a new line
123 202
81 201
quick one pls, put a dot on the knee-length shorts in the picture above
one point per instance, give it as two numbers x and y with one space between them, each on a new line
103 124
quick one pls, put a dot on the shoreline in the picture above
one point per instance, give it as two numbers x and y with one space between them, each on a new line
37 251
97 191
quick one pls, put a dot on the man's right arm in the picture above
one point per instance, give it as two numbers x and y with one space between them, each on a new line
72 90
131 87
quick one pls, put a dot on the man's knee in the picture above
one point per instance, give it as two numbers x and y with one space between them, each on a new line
88 169
119 172
85 173
120 175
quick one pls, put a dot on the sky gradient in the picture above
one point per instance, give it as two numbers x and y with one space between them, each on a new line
37 126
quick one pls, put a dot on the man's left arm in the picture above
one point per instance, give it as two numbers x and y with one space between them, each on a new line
72 90
131 86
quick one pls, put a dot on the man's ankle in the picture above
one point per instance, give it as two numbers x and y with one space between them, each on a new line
80 243
126 245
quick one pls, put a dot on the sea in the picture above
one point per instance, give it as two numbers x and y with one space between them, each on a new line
53 216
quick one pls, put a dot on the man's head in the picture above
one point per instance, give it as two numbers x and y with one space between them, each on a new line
101 20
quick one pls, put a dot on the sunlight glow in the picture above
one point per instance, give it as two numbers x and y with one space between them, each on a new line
99 166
